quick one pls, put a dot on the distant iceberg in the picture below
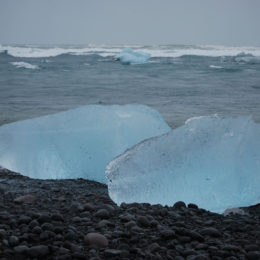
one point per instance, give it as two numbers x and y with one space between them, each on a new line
127 55
247 58
211 161
241 57
76 143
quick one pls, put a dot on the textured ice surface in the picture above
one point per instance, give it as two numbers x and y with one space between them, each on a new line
78 142
213 162
127 55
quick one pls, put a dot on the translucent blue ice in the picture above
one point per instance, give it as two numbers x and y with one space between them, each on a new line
211 161
78 142
127 55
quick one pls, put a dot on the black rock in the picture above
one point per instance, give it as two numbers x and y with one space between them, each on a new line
34 223
13 241
154 247
252 248
193 206
253 255
167 234
22 249
57 217
142 221
102 213
213 232
24 220
38 251
78 255
44 218
112 252
3 233
200 257
76 207
47 226
70 235
179 205
196 236
37 230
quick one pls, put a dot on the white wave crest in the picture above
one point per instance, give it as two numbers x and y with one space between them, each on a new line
215 67
167 51
26 65
42 52
210 51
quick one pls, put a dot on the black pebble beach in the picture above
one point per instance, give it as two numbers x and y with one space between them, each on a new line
76 219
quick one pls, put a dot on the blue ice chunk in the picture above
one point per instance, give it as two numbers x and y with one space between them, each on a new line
211 161
127 55
76 143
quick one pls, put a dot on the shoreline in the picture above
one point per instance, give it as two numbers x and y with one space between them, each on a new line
76 219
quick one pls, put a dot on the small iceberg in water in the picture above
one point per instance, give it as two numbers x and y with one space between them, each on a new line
128 56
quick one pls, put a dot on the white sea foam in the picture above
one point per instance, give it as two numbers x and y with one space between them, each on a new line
40 52
215 67
170 51
210 51
26 65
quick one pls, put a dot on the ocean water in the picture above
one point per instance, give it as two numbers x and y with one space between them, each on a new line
179 81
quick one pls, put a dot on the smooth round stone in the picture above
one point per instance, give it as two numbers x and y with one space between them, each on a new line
13 241
112 252
179 205
33 223
104 223
37 251
47 226
192 206
96 239
25 199
57 217
102 213
251 248
37 230
44 218
253 255
21 249
200 257
3 233
130 224
167 234
213 232
142 221
88 207
24 220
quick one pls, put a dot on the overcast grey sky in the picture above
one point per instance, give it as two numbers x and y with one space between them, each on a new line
224 22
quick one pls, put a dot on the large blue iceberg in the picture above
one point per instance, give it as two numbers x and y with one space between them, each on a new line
127 55
78 142
211 161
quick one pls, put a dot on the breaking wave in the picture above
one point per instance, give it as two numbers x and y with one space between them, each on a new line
25 65
163 51
215 67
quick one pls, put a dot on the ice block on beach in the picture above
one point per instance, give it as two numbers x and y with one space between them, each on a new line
210 161
76 143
